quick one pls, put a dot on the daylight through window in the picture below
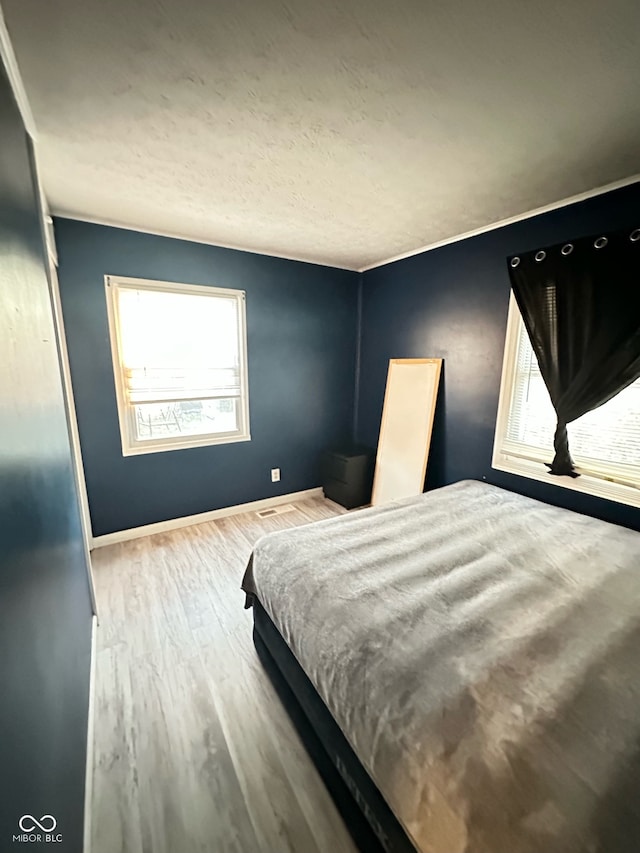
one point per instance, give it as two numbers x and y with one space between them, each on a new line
179 355
604 443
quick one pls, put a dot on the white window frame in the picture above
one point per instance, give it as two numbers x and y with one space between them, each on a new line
602 481
131 445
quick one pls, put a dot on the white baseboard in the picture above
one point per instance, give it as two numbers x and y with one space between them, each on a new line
188 520
88 782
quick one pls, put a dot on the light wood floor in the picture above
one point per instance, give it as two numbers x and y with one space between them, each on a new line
193 751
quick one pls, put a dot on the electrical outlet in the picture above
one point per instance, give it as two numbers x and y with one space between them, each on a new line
275 475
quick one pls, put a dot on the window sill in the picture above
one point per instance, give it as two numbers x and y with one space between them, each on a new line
586 483
199 441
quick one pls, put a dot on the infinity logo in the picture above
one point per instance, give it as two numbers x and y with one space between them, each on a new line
28 823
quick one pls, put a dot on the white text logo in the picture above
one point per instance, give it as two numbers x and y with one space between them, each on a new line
28 823
44 825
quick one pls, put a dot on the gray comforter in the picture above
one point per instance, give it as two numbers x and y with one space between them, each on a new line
481 653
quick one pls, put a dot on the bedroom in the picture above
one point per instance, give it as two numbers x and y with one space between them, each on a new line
531 144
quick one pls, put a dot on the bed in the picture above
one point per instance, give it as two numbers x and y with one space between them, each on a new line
465 669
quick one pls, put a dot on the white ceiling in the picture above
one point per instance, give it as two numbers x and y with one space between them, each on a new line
338 131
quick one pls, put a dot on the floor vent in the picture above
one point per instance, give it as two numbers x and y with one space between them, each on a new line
275 510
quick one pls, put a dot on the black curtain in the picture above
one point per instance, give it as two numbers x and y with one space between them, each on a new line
580 302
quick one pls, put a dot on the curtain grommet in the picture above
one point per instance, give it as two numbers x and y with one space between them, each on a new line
600 243
541 255
515 262
567 249
635 235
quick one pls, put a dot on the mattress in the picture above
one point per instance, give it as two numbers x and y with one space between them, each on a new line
480 652
372 825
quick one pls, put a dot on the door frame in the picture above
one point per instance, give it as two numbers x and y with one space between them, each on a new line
70 409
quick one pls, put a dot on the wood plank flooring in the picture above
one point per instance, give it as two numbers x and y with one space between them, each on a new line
193 751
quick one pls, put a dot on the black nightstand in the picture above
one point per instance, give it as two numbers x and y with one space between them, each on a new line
347 475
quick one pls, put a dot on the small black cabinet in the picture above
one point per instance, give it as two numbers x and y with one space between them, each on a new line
347 475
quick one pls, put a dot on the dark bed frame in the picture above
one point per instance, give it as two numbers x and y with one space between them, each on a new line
372 824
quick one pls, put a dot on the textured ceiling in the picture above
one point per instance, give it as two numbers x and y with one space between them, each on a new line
343 131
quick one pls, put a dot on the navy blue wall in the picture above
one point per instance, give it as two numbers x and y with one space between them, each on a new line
452 303
301 321
45 611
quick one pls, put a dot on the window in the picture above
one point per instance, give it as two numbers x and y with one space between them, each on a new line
179 362
604 443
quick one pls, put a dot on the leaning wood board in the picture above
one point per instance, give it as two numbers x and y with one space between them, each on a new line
405 431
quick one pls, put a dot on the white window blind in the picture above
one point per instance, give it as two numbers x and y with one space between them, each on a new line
604 443
179 364
178 346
